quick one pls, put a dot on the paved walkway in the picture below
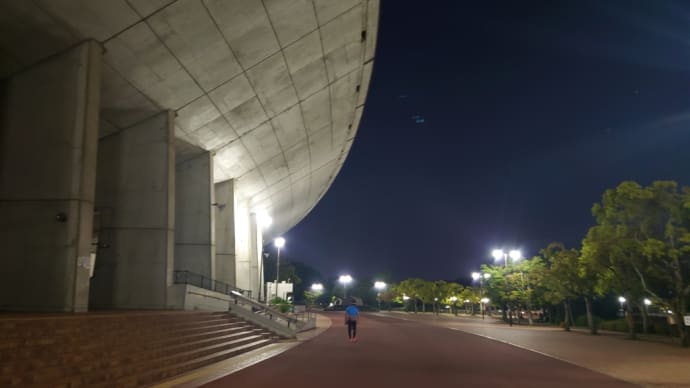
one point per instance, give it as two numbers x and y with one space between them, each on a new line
647 363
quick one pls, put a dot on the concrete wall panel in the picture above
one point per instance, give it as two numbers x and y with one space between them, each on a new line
47 170
136 197
194 216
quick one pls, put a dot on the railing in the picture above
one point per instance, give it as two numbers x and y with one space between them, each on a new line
291 320
284 324
187 277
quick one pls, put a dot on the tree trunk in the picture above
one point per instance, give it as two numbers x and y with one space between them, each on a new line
678 312
643 310
632 334
415 306
590 319
570 314
566 316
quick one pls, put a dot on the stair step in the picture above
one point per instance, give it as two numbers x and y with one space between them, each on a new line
117 350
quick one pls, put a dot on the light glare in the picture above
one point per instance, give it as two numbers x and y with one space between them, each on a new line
279 242
515 254
497 254
345 279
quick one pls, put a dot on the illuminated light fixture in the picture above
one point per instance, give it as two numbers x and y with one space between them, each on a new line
279 242
515 254
621 299
485 300
647 302
379 285
497 254
264 219
317 287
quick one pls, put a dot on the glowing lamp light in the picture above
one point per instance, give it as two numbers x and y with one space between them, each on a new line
647 302
515 254
487 275
317 287
621 299
405 297
475 275
497 254
279 242
380 285
453 299
485 300
345 279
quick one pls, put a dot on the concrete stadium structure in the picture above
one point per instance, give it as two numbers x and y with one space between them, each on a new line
143 137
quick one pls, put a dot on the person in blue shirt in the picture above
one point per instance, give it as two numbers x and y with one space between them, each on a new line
351 316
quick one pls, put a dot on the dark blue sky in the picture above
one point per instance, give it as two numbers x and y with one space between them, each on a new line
531 110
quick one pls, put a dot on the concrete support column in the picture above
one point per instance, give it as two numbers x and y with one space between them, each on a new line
135 195
225 232
243 261
49 117
195 249
255 247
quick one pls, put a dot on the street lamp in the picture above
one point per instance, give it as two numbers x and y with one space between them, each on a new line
499 254
317 287
621 299
484 302
379 286
279 243
481 277
454 299
345 279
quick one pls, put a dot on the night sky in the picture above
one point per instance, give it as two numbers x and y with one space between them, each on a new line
530 110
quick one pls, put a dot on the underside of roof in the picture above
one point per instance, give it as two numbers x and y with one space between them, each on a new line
274 89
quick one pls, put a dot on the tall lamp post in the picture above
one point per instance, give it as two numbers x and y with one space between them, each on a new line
279 243
515 255
454 299
345 279
481 277
379 286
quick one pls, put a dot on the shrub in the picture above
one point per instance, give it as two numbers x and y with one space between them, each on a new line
614 325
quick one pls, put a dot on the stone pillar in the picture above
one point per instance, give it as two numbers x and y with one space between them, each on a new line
194 216
49 117
135 195
255 247
225 232
243 261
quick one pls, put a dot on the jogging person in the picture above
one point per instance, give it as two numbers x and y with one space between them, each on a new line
351 316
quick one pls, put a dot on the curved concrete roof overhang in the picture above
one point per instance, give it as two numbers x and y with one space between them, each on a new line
274 88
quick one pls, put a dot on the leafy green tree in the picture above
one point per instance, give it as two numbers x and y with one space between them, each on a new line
526 278
412 288
567 277
642 241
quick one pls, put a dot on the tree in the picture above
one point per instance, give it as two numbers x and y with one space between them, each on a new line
567 277
412 288
642 244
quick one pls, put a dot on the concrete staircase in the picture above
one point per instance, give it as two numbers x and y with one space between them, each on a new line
123 349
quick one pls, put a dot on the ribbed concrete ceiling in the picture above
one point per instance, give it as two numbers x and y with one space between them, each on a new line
275 88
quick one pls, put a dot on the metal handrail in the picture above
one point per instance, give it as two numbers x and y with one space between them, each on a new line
296 319
201 281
